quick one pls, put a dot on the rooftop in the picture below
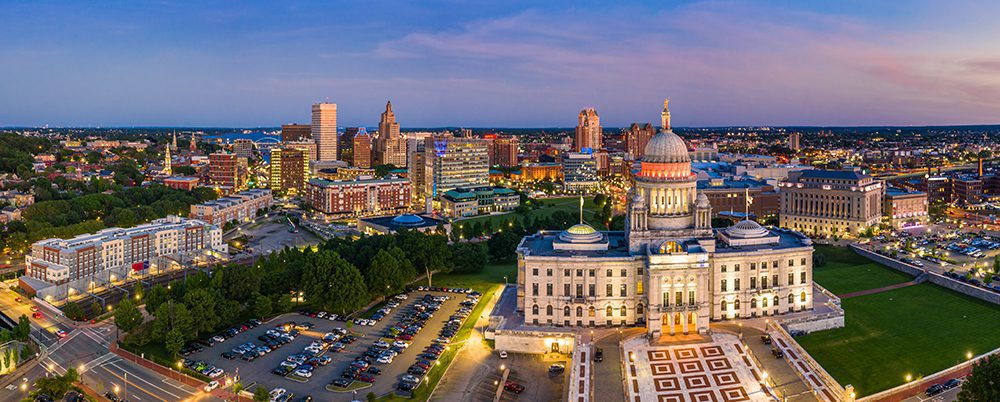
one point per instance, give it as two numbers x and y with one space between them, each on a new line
833 174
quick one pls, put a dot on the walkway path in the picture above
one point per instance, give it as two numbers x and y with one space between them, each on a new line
878 290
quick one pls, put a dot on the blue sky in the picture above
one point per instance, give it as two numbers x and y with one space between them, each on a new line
510 63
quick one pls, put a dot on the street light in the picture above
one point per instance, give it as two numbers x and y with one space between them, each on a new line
909 378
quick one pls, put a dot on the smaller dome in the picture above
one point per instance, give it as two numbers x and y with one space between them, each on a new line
408 220
581 229
746 229
702 201
581 233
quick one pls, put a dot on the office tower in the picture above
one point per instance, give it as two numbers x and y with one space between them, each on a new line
579 172
289 170
295 132
452 162
588 131
362 144
227 172
345 145
795 141
831 202
502 150
636 138
243 148
324 131
465 132
390 147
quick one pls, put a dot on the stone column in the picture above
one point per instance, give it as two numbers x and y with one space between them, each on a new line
670 322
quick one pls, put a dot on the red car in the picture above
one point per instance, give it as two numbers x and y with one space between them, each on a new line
33 308
60 333
405 337
37 315
366 378
18 299
513 387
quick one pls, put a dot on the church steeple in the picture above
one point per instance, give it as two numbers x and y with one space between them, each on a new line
167 171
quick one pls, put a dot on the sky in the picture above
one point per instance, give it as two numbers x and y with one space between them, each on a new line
499 64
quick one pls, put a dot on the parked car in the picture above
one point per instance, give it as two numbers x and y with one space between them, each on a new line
934 390
952 383
599 355
766 339
513 387
503 354
778 354
557 368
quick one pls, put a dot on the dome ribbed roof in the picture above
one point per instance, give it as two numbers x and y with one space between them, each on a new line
746 229
408 220
581 233
666 147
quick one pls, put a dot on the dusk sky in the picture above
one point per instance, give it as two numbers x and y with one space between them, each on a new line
504 64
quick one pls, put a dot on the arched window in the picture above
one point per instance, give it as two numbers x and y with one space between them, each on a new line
548 310
638 309
566 311
776 299
753 303
534 309
802 297
609 274
763 302
610 311
791 299
623 311
722 306
591 311
736 304
579 311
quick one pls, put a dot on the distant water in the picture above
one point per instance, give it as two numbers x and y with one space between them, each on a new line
254 135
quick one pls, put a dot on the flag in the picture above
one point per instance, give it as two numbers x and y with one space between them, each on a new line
139 266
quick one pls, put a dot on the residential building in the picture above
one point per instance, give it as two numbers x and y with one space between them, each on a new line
464 202
243 148
289 170
324 131
502 150
669 271
636 138
795 141
588 131
831 202
240 207
296 132
541 171
227 172
579 172
390 146
905 208
362 149
346 173
362 197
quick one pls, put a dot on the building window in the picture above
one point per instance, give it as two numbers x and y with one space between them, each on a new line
638 309
610 311
591 312
753 266
776 299
624 272
736 268
534 309
763 282
609 290
753 282
791 278
774 264
534 289
638 271
592 272
722 306
623 312
548 310
802 297
802 277
566 311
639 288
723 267
608 273
723 287
565 272
774 280
548 272
592 290
679 298
763 302
736 284
566 290
624 291
791 299
534 271
548 289
579 272
579 311
736 305
791 263
753 303
579 290
803 261
691 297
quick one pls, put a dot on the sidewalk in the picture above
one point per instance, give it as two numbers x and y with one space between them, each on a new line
469 364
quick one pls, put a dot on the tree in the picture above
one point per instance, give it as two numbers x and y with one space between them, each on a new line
23 329
371 396
262 306
503 245
984 382
58 386
332 282
172 315
202 304
260 394
468 258
127 316
173 341
156 296
600 199
138 291
74 311
385 274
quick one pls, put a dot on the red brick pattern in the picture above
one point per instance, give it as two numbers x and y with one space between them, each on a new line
695 373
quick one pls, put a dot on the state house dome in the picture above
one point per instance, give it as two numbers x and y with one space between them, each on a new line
666 147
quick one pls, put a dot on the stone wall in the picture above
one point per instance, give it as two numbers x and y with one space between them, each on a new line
816 323
933 277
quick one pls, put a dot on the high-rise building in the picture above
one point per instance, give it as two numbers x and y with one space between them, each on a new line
289 170
295 132
579 172
227 172
362 145
345 145
502 150
636 138
588 131
452 162
831 202
324 131
390 147
243 148
795 141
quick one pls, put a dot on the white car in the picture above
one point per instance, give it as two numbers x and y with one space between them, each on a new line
503 354
219 338
303 373
277 392
381 344
401 344
386 359
211 386
216 373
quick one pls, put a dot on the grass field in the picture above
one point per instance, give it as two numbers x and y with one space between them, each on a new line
917 330
570 205
846 271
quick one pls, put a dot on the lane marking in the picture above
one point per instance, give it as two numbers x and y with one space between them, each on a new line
136 386
146 381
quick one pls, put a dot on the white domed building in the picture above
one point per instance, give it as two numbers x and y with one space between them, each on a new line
668 270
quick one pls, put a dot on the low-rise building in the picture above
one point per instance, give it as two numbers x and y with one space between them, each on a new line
362 197
541 171
393 224
967 189
831 202
463 202
240 207
728 195
905 208
186 183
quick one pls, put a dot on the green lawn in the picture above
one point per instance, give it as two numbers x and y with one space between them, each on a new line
569 205
491 275
846 271
917 330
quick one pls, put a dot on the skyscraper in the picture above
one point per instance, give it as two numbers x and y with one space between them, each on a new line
588 131
289 170
227 172
295 132
795 141
390 148
362 155
503 150
636 138
324 130
345 145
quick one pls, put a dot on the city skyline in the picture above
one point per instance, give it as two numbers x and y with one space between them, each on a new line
732 63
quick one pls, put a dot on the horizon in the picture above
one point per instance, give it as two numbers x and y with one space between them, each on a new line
511 64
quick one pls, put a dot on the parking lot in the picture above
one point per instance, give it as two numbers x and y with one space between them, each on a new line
529 371
961 252
258 372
